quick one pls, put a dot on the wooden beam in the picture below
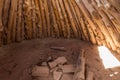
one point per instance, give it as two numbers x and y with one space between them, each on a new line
80 67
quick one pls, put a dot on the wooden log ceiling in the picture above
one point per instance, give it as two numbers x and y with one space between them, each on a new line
97 21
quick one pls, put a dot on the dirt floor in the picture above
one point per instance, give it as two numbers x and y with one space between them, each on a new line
17 59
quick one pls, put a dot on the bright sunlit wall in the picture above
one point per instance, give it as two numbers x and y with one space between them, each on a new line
107 57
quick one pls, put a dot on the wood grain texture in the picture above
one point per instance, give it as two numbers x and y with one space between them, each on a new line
97 21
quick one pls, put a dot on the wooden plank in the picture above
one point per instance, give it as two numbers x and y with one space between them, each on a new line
80 67
40 71
90 76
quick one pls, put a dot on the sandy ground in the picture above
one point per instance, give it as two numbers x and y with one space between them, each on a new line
17 59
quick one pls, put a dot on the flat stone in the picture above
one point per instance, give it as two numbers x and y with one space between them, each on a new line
54 69
60 66
57 75
68 68
49 59
44 78
52 64
67 77
61 60
44 64
40 71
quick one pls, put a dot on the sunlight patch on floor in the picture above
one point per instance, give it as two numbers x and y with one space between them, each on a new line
115 73
107 57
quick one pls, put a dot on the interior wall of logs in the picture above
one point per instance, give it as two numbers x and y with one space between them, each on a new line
97 21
